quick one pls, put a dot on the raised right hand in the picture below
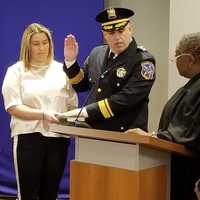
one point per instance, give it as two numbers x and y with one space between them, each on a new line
70 48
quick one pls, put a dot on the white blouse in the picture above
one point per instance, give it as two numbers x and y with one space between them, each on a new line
45 88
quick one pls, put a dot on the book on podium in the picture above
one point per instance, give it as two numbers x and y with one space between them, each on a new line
72 121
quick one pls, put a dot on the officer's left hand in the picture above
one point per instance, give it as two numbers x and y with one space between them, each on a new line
75 113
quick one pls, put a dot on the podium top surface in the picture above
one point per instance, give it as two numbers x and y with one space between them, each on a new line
131 137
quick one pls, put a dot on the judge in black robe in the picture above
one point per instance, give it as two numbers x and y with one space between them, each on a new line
180 119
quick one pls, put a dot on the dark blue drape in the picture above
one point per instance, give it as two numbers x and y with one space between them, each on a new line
62 17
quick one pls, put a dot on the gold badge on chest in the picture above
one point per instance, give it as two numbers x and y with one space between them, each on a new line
121 72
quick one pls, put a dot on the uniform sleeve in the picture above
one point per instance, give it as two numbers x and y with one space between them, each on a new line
78 76
134 93
11 88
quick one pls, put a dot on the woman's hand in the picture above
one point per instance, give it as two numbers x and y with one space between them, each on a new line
50 117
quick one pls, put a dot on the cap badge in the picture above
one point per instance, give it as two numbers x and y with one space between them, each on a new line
121 72
111 13
148 70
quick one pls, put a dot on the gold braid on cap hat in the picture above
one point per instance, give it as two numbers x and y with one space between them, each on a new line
115 21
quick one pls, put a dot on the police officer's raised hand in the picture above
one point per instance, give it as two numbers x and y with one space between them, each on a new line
70 48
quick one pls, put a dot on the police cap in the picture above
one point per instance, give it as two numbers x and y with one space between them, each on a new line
113 19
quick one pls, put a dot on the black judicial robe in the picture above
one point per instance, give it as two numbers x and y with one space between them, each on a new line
180 119
180 123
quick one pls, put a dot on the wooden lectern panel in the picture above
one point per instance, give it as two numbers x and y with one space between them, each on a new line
153 183
97 182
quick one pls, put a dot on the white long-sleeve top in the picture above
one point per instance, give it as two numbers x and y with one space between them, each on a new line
43 87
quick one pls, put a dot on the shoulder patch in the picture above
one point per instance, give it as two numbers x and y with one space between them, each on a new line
148 70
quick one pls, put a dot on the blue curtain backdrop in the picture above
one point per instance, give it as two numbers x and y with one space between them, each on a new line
62 17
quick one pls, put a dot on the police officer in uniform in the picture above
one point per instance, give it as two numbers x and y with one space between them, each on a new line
119 75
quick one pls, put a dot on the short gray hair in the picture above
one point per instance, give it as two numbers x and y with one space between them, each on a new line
189 43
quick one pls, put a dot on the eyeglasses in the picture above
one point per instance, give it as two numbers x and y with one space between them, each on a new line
179 56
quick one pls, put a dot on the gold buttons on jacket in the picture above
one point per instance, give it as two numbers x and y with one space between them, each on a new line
99 90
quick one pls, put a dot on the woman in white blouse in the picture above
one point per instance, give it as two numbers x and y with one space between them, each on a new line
35 89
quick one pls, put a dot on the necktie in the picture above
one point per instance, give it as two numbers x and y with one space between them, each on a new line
110 58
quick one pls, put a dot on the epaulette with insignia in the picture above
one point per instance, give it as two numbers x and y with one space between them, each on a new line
141 48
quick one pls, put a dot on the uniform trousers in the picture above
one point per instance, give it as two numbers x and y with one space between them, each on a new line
39 165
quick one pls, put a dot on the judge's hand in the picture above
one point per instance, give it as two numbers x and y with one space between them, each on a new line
141 132
196 189
70 48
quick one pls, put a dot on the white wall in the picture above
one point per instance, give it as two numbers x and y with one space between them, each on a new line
184 18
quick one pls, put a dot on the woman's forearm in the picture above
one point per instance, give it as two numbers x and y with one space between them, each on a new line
26 113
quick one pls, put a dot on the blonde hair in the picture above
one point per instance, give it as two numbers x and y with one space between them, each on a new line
189 43
25 43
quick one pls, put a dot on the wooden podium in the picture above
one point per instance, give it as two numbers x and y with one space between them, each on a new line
112 165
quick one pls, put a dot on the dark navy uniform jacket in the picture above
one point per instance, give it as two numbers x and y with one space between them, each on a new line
120 88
